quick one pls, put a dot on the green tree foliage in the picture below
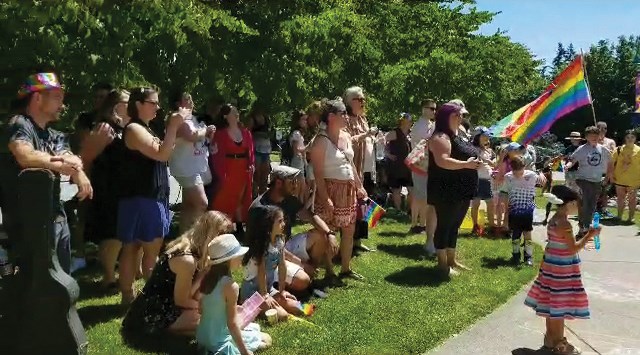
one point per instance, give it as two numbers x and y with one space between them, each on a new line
282 53
611 75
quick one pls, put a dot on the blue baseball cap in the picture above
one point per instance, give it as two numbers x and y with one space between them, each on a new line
513 146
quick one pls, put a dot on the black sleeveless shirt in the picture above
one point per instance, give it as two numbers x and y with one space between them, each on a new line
141 176
452 185
400 148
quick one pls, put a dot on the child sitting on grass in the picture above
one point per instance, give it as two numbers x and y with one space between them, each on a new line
558 294
219 331
265 261
312 250
519 188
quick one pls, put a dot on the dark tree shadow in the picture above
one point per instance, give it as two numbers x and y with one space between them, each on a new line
417 276
494 263
527 351
410 251
163 344
96 314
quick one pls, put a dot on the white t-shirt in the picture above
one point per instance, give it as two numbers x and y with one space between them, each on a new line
521 192
485 170
190 158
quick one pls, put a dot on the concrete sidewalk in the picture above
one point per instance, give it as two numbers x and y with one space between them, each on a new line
611 277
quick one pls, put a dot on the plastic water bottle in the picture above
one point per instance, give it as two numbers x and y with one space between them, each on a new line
596 224
6 268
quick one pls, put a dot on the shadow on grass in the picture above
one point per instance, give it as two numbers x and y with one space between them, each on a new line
494 263
527 351
409 251
164 344
392 234
96 314
417 276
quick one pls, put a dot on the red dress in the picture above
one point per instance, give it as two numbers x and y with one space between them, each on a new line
233 164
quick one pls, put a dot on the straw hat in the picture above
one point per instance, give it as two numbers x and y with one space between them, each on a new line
225 247
574 135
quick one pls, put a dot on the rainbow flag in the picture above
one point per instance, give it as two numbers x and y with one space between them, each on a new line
567 92
373 213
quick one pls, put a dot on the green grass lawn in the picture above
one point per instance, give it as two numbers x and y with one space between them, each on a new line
402 307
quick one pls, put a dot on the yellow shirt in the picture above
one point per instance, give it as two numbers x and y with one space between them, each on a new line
627 166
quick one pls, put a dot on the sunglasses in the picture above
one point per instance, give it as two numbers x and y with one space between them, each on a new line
431 108
360 99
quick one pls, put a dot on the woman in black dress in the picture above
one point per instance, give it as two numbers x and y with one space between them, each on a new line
453 180
101 151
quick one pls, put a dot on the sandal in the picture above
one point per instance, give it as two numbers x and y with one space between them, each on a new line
351 275
565 348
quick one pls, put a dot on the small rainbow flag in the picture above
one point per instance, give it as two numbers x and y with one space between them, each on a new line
373 213
567 92
307 308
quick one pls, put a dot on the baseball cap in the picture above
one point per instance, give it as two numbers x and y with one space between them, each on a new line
39 82
284 172
513 146
459 102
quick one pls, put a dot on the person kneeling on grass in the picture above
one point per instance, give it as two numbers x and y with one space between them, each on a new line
519 188
265 260
311 250
219 331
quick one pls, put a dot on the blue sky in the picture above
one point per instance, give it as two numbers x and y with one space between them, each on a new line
541 24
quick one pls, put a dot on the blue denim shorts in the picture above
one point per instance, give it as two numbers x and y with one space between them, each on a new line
142 219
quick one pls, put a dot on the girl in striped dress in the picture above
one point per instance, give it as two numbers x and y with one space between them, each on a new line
558 294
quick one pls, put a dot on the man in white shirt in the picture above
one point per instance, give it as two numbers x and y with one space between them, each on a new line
610 145
422 216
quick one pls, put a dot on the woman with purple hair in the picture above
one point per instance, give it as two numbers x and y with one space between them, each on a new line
453 181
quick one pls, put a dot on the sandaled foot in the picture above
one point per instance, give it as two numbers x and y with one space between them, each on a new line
461 267
565 348
350 275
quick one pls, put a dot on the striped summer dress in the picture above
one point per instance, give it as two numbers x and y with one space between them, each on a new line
558 291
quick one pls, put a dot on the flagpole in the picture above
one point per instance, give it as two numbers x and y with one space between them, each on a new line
586 79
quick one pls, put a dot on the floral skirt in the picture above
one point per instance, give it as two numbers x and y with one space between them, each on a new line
343 195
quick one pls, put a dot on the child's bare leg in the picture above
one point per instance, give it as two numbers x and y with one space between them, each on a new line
288 305
555 331
528 248
490 212
475 210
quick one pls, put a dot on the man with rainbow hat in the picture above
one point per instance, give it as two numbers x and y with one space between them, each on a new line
32 143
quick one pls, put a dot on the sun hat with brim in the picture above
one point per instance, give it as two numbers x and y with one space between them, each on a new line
575 135
459 102
39 82
513 146
224 248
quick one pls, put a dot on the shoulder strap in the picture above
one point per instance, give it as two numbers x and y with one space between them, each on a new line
344 155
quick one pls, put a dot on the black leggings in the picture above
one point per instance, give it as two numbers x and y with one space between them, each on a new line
449 216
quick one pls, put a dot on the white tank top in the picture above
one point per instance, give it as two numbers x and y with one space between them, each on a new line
337 163
190 158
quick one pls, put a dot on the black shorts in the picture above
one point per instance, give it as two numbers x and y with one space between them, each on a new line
522 222
398 182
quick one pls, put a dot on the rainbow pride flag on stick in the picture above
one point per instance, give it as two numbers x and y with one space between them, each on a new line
373 213
567 92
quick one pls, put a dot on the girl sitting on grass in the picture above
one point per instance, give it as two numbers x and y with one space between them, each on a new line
219 331
170 298
265 260
558 294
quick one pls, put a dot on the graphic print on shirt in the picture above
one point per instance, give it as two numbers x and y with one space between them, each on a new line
521 192
594 158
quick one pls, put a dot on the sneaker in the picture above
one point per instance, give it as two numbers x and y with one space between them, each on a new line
528 261
77 264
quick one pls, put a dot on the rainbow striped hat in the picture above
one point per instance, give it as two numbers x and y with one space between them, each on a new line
39 82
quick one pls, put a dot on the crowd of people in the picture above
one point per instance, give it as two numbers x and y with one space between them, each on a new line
237 210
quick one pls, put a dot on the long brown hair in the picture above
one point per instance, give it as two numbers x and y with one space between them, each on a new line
215 273
195 240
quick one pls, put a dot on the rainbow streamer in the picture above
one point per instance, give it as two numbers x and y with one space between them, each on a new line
567 92
373 214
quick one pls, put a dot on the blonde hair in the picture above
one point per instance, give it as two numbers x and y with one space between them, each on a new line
195 240
352 93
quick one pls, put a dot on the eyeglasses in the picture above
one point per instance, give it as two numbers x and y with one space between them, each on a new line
156 103
431 108
360 99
